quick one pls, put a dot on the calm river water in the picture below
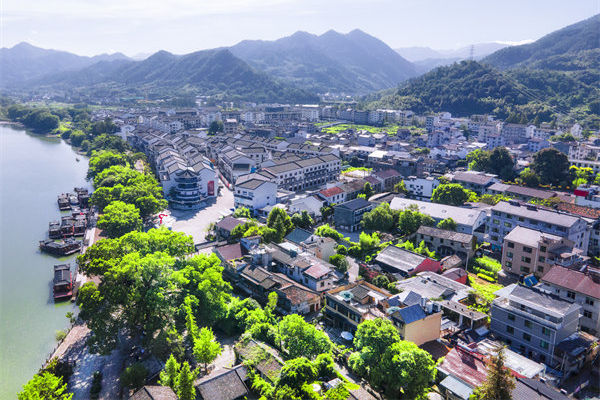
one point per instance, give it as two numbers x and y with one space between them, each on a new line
33 171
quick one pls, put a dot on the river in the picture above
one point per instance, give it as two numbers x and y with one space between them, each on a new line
33 171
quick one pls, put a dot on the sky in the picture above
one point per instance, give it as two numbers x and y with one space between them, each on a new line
90 27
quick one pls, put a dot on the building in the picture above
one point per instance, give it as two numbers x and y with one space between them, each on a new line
347 306
254 192
446 243
533 322
527 251
468 220
224 384
473 180
580 287
154 393
224 227
506 215
333 195
416 323
520 192
420 188
405 263
305 173
348 215
389 177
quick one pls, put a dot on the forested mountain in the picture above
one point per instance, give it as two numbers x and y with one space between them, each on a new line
470 87
24 61
558 74
207 72
352 63
566 42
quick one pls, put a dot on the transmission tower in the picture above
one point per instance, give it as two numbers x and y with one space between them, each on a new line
471 52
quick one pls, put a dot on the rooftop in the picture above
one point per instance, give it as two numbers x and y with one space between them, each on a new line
445 234
400 259
529 237
535 213
355 204
576 281
462 216
535 299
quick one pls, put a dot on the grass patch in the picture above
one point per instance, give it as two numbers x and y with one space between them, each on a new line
390 129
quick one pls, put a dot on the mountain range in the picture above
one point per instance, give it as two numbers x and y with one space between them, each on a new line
557 74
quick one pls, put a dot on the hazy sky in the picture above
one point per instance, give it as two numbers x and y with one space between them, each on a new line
140 26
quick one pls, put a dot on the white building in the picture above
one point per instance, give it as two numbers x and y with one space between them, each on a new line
254 192
420 188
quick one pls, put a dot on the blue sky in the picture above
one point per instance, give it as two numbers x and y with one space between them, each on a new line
141 26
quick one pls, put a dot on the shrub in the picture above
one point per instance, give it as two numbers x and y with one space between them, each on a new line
60 335
486 277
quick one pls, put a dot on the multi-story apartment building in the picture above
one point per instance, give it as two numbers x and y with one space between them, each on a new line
306 173
514 133
533 322
507 215
233 164
580 287
526 251
593 164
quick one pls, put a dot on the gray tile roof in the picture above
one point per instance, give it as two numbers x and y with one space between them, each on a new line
445 234
537 214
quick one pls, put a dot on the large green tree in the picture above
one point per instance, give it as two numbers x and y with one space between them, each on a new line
551 166
381 218
452 194
45 386
302 339
448 224
499 383
410 219
281 222
119 218
206 347
104 159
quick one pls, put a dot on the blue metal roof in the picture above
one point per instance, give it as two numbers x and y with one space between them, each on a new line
411 314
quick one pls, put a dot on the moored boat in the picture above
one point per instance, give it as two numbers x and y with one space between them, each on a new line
54 230
63 202
62 248
63 282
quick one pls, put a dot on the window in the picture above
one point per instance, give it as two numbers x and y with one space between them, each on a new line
521 219
587 314
507 224
589 301
527 337
543 249
527 249
571 295
509 254
510 329
526 259
511 317
509 264
496 222
524 269
540 270
528 324
545 331
544 344
511 245
542 259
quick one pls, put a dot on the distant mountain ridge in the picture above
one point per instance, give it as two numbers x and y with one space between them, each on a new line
352 63
25 61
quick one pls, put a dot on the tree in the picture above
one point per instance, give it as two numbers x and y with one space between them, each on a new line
381 218
499 383
449 224
301 338
206 348
45 386
242 212
479 160
368 190
381 281
327 231
281 222
551 166
297 372
529 178
215 127
169 375
134 376
501 163
340 262
119 218
103 160
375 336
400 187
185 382
77 138
410 219
451 194
303 220
326 212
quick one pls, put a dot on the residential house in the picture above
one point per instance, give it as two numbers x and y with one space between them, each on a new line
520 192
224 227
420 188
254 192
333 195
577 286
416 323
526 251
461 371
473 180
389 177
405 263
445 242
266 361
348 215
347 306
224 384
468 220
154 393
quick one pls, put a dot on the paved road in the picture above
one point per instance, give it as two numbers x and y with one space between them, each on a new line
195 223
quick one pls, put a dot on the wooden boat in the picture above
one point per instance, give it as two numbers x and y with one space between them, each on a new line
63 282
63 202
54 230
62 248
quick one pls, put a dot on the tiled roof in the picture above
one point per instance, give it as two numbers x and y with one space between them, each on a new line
388 173
572 280
537 214
355 204
223 385
331 191
317 271
410 314
477 178
534 389
400 259
228 223
154 393
582 211
230 251
445 234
